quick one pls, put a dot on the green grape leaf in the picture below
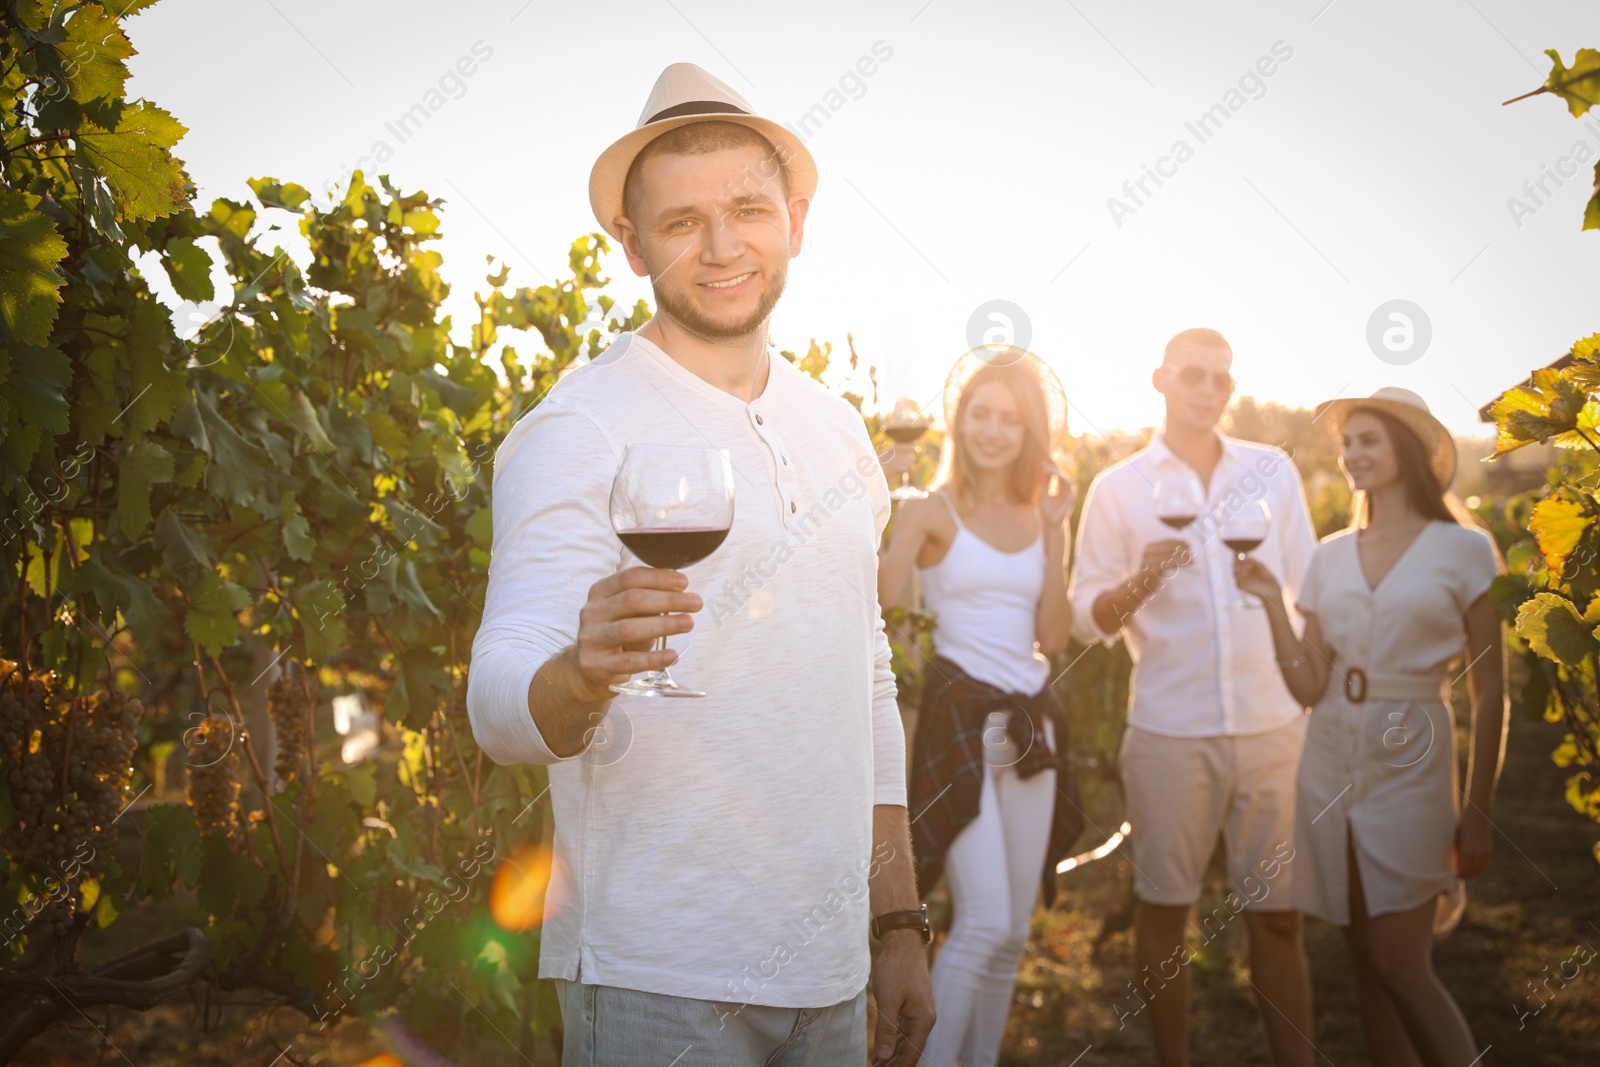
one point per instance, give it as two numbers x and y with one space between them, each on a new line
411 524
1507 592
386 433
36 16
303 417
114 886
91 55
363 783
145 464
35 388
116 588
1548 407
296 530
189 267
236 469
187 552
1557 524
135 160
170 852
212 619
1578 85
158 386
320 608
1587 348
30 285
418 681
481 527
1553 629
285 195
227 877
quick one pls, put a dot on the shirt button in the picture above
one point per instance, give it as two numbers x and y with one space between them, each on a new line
792 508
785 460
758 418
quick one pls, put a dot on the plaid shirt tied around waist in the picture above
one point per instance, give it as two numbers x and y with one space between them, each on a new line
948 765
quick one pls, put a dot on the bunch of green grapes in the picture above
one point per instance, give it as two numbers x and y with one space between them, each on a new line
211 778
287 705
70 763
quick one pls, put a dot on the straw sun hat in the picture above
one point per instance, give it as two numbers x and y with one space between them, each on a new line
1024 362
1407 407
685 93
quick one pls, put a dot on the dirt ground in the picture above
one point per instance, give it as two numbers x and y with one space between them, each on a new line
1538 904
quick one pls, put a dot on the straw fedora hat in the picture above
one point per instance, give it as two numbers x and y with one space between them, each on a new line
1025 362
684 93
1411 410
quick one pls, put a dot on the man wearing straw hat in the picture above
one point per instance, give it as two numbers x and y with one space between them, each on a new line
1214 737
718 861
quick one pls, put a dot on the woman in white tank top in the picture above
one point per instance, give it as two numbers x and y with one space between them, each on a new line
990 547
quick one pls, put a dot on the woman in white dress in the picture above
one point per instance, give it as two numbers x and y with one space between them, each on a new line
990 548
1381 839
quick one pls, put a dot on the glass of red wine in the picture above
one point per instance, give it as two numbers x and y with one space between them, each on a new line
671 507
905 427
1243 531
1178 500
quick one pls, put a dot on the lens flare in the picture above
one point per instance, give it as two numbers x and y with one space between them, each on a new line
528 888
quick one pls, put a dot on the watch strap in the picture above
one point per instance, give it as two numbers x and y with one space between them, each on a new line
903 920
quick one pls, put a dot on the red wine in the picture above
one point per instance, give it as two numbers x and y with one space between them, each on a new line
1242 544
905 433
1177 522
673 547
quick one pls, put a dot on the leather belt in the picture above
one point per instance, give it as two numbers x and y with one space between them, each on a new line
1360 686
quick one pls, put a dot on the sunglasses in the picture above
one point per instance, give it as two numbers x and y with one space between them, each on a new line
1194 376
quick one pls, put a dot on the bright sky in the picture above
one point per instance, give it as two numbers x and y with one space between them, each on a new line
1374 164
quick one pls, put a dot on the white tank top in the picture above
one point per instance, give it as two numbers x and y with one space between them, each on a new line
987 602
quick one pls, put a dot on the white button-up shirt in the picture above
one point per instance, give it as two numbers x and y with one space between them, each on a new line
1202 667
715 848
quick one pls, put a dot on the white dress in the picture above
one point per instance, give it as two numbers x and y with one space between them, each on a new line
1380 749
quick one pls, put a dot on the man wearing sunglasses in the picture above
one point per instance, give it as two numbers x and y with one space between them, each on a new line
1213 737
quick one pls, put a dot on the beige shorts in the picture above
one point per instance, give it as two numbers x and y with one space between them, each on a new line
1182 790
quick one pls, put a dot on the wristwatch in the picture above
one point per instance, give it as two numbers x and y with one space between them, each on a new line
903 920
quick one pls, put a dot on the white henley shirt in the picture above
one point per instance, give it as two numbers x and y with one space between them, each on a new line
1201 667
715 848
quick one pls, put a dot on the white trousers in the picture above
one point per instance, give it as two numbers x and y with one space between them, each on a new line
992 869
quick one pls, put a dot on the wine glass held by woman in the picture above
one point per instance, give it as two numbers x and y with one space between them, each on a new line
897 461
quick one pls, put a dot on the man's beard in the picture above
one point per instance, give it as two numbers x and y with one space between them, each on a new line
687 314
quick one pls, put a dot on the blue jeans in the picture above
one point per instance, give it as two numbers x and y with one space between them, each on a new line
606 1026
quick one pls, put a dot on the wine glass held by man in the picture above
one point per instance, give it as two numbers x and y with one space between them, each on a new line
1391 605
989 546
671 507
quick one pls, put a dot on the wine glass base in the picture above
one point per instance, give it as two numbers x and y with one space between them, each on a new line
908 493
655 684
